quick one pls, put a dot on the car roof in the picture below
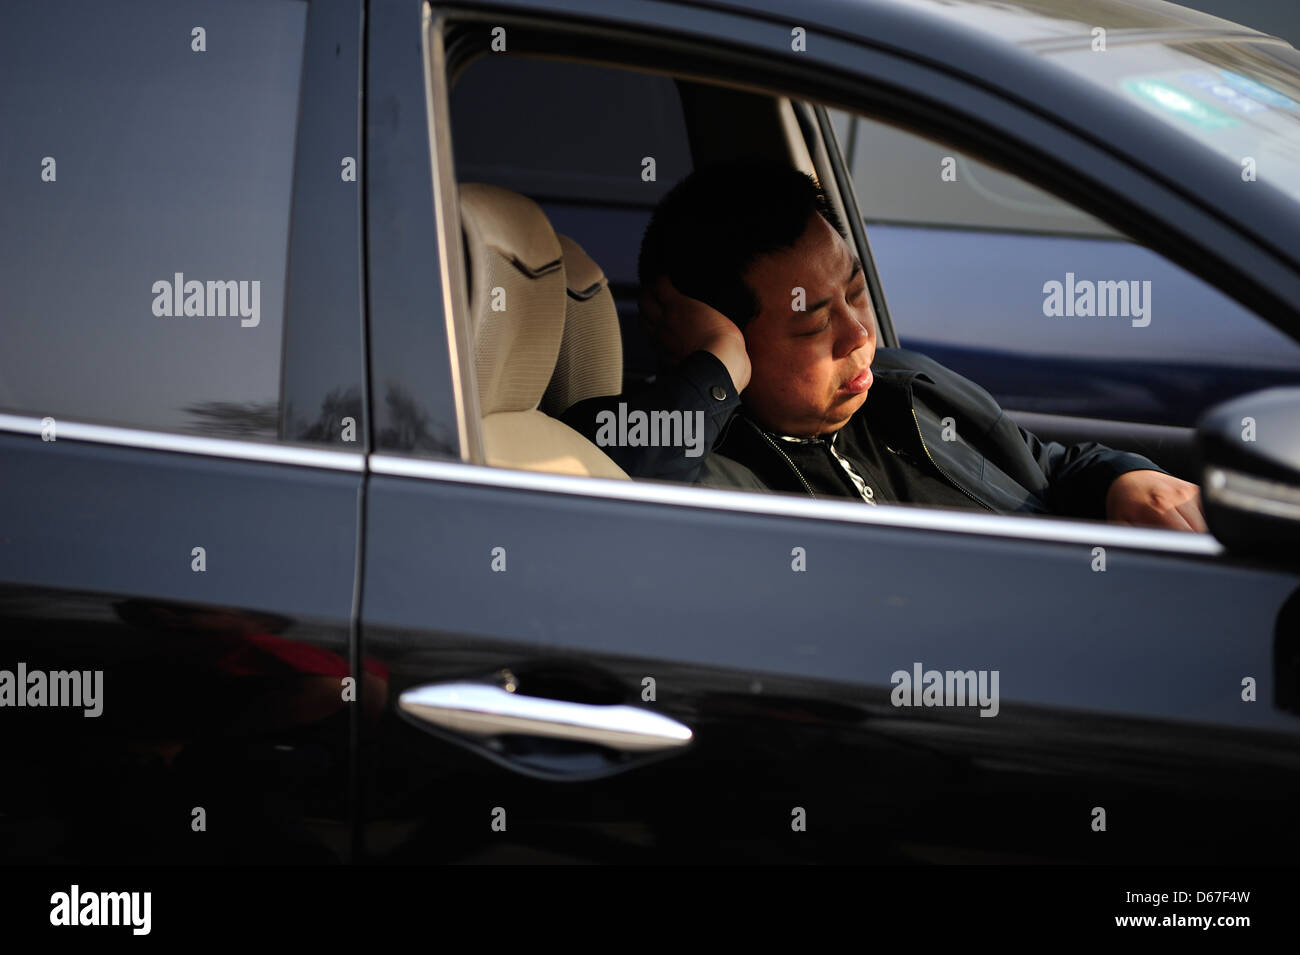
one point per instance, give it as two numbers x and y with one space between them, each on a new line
1043 25
1000 28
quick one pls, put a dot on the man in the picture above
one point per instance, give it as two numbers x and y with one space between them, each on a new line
750 287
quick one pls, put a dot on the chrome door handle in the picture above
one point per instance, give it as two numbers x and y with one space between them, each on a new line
483 710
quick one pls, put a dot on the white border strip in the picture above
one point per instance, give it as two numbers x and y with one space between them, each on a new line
918 518
188 444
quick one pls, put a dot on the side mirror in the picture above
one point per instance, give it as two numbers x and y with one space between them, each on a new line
1250 485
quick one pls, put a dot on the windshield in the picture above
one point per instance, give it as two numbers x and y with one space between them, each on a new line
1241 100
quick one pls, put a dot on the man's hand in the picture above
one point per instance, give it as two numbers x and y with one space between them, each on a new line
684 325
1154 499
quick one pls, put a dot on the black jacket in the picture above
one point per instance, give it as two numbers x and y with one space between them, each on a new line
992 461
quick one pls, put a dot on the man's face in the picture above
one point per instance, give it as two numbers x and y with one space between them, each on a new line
811 368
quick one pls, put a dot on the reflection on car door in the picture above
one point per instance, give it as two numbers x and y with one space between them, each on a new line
1119 690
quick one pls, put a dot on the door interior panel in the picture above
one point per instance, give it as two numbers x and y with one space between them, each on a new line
1174 449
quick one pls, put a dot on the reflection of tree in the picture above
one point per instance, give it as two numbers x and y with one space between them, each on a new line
401 424
328 427
403 427
235 419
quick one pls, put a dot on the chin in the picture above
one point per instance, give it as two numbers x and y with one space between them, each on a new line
849 405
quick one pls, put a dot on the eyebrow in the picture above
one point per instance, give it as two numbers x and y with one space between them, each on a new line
857 268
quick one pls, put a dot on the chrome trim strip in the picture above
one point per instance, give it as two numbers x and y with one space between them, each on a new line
451 255
483 710
187 444
917 518
1254 495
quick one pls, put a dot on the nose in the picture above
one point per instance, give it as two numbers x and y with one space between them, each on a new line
858 329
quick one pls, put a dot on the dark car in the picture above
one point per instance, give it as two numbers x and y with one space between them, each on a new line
297 563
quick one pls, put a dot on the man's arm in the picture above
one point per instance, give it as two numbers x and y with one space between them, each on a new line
1092 480
1080 475
700 386
710 368
1086 480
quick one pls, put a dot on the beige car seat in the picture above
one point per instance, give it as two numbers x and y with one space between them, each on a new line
517 297
590 363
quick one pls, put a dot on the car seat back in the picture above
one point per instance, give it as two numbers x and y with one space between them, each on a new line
590 362
517 306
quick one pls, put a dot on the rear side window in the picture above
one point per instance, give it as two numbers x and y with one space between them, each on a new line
147 162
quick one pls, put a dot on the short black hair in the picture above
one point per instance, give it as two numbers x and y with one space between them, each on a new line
709 229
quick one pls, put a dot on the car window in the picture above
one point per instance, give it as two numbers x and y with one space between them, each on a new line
894 174
1044 306
147 154
965 252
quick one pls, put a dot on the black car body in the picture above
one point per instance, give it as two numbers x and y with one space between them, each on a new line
279 544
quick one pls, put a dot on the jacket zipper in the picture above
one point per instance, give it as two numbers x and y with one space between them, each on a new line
945 474
921 437
798 473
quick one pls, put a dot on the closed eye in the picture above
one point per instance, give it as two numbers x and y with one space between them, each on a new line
816 331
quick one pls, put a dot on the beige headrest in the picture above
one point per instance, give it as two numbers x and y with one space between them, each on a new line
590 362
516 296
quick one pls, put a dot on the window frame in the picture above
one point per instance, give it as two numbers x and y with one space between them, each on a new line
324 308
972 117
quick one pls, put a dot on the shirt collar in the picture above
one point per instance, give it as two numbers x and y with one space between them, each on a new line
794 440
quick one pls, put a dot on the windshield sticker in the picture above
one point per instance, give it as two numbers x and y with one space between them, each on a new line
1174 101
1221 90
1258 91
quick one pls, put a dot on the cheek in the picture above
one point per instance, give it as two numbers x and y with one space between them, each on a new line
793 368
820 374
772 363
796 371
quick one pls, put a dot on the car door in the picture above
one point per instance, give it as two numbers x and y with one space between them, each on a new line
181 430
574 669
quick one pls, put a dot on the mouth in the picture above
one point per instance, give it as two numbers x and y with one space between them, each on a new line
859 383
